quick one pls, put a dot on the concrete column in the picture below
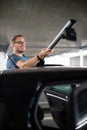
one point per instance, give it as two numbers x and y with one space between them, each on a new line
2 61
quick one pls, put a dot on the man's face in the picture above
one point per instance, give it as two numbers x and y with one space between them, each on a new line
19 45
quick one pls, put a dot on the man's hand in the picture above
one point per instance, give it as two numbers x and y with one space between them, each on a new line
44 52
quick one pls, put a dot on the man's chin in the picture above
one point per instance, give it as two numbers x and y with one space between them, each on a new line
21 52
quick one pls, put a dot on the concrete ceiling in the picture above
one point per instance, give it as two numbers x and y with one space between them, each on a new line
40 21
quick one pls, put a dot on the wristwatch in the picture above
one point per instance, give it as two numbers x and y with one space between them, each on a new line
41 61
39 58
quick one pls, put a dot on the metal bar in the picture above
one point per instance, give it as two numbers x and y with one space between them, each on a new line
69 24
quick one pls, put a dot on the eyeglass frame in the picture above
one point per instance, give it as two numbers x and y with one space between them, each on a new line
21 42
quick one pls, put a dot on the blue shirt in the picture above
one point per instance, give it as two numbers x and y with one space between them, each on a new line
13 59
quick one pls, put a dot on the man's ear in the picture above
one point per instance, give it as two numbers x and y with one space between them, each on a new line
12 44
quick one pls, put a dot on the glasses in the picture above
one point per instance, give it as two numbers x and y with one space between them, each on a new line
21 42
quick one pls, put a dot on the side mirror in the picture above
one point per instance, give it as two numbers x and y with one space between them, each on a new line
79 105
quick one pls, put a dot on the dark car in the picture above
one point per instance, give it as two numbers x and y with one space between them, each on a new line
64 87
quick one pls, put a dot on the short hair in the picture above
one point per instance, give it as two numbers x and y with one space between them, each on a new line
15 37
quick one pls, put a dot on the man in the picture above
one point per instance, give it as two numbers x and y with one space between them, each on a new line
19 60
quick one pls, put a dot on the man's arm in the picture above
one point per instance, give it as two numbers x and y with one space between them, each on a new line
32 62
